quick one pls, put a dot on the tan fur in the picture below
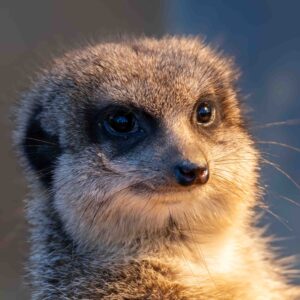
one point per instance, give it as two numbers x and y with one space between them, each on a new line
167 242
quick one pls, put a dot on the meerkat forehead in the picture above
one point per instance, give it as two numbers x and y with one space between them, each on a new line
162 76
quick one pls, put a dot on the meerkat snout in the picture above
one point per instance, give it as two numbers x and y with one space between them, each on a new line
187 173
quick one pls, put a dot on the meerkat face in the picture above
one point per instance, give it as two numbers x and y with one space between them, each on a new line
128 138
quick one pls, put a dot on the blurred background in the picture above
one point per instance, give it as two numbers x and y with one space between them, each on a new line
264 37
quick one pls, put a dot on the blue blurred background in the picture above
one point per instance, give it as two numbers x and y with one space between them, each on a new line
263 36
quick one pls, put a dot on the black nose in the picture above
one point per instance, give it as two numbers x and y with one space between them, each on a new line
187 173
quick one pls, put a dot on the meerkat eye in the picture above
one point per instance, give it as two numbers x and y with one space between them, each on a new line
205 113
121 122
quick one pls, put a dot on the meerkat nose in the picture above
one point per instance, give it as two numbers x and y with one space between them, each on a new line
187 173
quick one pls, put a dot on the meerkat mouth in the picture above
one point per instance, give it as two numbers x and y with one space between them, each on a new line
167 194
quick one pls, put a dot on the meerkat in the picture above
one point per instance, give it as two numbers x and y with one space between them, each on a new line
144 177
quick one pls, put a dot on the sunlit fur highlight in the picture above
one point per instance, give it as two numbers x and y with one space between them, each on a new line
156 243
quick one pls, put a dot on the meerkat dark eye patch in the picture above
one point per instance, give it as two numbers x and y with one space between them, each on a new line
40 148
119 124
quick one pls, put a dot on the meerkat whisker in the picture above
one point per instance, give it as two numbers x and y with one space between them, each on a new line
268 162
277 217
280 144
39 140
291 122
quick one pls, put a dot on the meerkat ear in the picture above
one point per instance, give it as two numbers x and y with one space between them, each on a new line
40 148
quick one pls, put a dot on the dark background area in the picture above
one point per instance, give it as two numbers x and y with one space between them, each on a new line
264 36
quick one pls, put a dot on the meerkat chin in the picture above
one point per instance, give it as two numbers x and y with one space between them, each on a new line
144 177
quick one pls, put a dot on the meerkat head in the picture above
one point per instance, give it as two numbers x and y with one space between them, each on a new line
129 138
